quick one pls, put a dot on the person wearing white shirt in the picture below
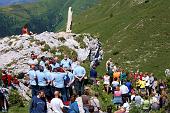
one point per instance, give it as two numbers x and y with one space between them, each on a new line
115 83
56 103
106 79
33 60
124 89
42 62
146 78
126 105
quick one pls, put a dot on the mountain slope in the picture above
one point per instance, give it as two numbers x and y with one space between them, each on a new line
135 33
44 15
13 2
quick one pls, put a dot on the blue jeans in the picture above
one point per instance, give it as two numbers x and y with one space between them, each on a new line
86 110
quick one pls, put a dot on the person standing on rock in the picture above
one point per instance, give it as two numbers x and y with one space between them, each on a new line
25 30
79 73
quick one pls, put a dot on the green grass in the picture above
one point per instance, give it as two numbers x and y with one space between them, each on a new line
16 109
138 34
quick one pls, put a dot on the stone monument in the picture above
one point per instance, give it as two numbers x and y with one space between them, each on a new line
69 20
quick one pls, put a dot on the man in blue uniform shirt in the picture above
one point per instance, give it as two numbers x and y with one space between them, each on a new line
58 82
32 80
66 62
42 79
79 73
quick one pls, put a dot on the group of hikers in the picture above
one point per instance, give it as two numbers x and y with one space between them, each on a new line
58 86
141 90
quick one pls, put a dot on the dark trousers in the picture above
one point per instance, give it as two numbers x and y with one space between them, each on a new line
69 92
124 97
42 88
150 90
79 87
48 92
35 89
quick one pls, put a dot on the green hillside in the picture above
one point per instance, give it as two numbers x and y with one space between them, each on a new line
135 33
45 15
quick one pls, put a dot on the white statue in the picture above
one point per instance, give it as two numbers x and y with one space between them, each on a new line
69 20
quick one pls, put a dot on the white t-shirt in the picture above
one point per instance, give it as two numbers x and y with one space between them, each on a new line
31 61
95 102
80 104
57 105
124 89
107 80
127 107
115 83
147 80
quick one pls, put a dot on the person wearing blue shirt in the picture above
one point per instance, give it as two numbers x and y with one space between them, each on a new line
55 63
69 85
58 82
42 79
79 73
73 107
129 85
39 104
32 80
66 62
48 91
93 74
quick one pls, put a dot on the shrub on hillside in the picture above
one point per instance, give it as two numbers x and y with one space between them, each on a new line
79 39
15 99
66 50
46 48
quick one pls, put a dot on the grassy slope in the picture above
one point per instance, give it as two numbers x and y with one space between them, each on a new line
138 33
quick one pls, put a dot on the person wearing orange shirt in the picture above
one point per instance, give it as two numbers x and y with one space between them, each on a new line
116 75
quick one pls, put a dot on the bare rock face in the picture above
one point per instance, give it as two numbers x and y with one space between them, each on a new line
137 2
15 50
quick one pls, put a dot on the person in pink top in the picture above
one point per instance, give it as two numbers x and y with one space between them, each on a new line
117 96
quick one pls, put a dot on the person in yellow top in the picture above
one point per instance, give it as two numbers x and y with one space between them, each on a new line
142 86
138 83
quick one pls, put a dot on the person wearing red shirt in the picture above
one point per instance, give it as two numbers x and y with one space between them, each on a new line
6 78
141 75
25 30
15 80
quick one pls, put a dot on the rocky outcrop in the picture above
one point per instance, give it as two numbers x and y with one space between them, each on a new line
15 50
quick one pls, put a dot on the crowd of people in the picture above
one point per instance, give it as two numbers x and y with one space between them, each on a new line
59 83
57 86
142 90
